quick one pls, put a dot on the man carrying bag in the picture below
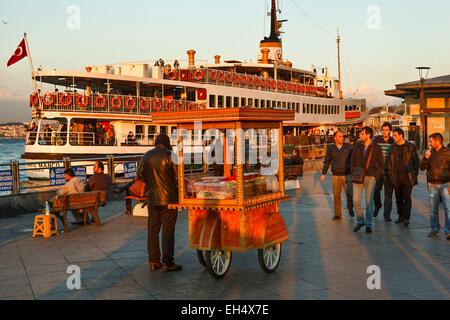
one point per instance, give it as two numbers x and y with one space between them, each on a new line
367 166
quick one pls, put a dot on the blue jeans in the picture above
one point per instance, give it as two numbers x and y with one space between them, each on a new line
439 193
369 187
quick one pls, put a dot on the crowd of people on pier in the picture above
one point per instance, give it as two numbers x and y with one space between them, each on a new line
391 163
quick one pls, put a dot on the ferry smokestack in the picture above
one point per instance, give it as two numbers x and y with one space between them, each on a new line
191 56
217 59
265 56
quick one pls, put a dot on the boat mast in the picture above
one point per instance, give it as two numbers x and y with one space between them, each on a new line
341 95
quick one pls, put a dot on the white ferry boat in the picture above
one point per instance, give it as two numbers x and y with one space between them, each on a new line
107 110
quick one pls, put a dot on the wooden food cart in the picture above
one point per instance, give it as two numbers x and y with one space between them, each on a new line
233 202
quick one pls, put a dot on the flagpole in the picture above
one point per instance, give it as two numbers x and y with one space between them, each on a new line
30 59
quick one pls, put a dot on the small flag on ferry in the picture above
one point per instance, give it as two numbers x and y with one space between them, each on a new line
20 53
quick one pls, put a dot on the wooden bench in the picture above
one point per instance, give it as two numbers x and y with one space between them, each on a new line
88 202
293 172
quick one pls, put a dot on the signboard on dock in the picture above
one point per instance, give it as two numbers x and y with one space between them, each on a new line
130 170
57 175
6 180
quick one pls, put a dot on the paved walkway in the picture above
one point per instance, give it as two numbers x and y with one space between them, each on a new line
322 260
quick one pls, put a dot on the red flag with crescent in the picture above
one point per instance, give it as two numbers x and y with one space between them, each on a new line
20 53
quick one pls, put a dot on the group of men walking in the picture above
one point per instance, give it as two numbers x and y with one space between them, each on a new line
391 163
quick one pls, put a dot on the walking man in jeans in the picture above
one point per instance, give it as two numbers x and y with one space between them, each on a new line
367 166
339 157
160 175
402 168
437 164
385 141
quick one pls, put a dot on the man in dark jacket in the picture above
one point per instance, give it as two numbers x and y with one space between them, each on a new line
367 159
99 181
385 141
160 175
437 163
339 157
402 168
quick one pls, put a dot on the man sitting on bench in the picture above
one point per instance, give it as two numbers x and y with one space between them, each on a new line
73 185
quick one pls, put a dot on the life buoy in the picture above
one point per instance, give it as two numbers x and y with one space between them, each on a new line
100 102
168 105
157 105
173 75
66 100
130 104
180 106
221 76
250 80
243 80
212 75
199 75
229 77
116 103
34 100
273 84
145 104
237 79
48 99
191 106
82 101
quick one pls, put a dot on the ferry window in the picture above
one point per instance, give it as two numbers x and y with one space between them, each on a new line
243 102
52 132
236 102
163 130
212 101
256 103
274 104
220 102
304 108
151 134
279 105
298 107
228 102
263 103
139 134
289 105
250 102
284 105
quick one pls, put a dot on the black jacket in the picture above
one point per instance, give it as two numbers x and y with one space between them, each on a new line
158 171
340 160
438 166
410 160
376 165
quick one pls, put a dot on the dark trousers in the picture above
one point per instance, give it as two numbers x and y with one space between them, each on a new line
385 182
161 217
403 190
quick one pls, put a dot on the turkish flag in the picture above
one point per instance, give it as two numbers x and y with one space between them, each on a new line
20 53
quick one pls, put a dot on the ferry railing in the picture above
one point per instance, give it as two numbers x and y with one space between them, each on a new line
111 103
243 80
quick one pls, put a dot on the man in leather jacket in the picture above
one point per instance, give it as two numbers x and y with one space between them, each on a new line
402 167
437 164
160 175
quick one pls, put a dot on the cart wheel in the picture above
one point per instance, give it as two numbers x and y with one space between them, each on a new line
269 258
218 262
201 258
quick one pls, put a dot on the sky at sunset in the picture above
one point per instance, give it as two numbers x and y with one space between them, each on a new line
383 41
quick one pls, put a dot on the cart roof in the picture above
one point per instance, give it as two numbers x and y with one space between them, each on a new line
224 115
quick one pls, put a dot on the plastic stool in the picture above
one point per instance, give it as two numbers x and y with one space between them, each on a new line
43 226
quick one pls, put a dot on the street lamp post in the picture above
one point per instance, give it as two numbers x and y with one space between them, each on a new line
423 74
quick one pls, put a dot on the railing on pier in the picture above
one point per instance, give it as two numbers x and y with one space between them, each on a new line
15 176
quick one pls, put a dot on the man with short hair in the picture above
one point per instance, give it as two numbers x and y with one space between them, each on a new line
73 185
99 181
385 141
339 157
437 164
402 168
160 175
368 163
